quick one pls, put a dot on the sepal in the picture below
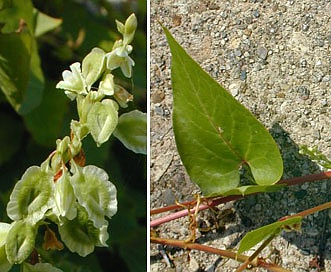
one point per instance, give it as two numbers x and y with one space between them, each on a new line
32 196
65 199
4 263
93 66
81 236
94 192
20 241
102 120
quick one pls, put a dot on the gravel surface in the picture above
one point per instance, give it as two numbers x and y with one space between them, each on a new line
273 57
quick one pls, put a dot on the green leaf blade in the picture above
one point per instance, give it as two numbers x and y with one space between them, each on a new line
215 134
252 238
132 131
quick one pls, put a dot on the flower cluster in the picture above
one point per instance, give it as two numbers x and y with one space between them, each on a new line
78 198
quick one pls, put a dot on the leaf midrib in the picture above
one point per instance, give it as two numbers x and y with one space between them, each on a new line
204 110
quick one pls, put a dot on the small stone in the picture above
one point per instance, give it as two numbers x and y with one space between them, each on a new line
256 13
262 52
304 92
317 134
324 102
234 89
303 63
258 207
194 265
246 54
158 110
326 78
237 53
243 75
157 96
305 27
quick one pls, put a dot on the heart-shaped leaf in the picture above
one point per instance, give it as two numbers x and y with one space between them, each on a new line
215 134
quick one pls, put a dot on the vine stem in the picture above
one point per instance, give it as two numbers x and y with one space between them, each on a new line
196 246
220 200
224 253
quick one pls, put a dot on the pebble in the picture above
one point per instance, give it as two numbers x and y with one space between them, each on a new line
262 52
194 265
234 88
159 110
237 53
243 75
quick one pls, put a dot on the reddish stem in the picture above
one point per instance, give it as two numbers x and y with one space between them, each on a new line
220 200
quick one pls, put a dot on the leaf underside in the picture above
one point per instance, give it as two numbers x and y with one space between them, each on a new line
254 237
215 134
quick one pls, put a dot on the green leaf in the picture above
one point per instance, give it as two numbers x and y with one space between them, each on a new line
21 78
49 115
81 236
93 65
40 267
32 196
102 120
215 134
94 192
252 189
20 241
4 263
252 238
15 14
315 155
14 66
5 4
45 23
132 131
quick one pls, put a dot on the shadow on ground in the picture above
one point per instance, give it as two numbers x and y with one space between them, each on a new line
262 209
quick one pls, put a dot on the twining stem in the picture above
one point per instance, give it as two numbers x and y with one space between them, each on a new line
190 245
256 253
224 253
220 200
246 260
309 211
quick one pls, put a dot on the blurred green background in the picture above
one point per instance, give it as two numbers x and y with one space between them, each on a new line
39 114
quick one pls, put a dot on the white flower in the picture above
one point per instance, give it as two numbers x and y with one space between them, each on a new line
119 57
73 82
107 85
